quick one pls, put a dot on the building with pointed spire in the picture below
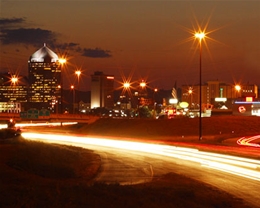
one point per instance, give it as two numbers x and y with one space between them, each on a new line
44 76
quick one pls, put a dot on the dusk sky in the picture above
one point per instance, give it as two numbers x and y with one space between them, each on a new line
151 40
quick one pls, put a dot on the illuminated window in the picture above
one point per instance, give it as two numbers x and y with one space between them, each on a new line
221 92
249 99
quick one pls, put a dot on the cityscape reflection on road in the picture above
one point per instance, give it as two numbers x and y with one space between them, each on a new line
245 167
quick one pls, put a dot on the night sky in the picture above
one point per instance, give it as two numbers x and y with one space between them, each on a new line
150 40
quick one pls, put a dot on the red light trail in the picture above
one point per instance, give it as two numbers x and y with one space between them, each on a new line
248 141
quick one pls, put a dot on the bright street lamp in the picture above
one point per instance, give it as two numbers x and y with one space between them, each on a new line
126 89
14 80
190 91
238 88
200 36
62 61
78 73
142 84
73 100
126 85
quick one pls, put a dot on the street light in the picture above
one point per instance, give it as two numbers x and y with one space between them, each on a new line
143 84
126 87
190 91
73 100
62 61
200 36
78 73
238 88
14 80
154 103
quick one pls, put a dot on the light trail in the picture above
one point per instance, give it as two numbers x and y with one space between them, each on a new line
3 126
248 141
244 167
45 124
19 125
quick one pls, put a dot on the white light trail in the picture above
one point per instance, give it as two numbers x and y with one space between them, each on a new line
244 167
45 124
3 126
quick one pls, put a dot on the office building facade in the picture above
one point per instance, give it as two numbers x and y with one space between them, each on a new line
102 90
13 92
44 75
214 92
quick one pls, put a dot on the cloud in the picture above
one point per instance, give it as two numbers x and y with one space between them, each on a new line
29 36
8 22
13 31
96 53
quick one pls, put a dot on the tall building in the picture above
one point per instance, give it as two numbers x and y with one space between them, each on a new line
44 75
13 92
102 90
13 88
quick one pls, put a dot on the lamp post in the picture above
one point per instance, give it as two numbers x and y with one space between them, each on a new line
126 86
190 93
62 61
14 80
200 36
143 87
142 84
78 73
238 88
154 102
73 98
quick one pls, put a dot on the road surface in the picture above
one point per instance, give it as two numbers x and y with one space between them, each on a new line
127 162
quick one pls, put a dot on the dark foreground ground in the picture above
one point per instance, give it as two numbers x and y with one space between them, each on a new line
34 174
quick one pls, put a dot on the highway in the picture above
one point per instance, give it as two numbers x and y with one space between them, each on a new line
128 162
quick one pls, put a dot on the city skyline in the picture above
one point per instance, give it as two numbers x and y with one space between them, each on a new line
150 40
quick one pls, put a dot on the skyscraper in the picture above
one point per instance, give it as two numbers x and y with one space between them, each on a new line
102 90
44 73
12 91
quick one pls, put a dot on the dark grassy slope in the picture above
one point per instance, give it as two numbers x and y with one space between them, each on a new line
212 127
